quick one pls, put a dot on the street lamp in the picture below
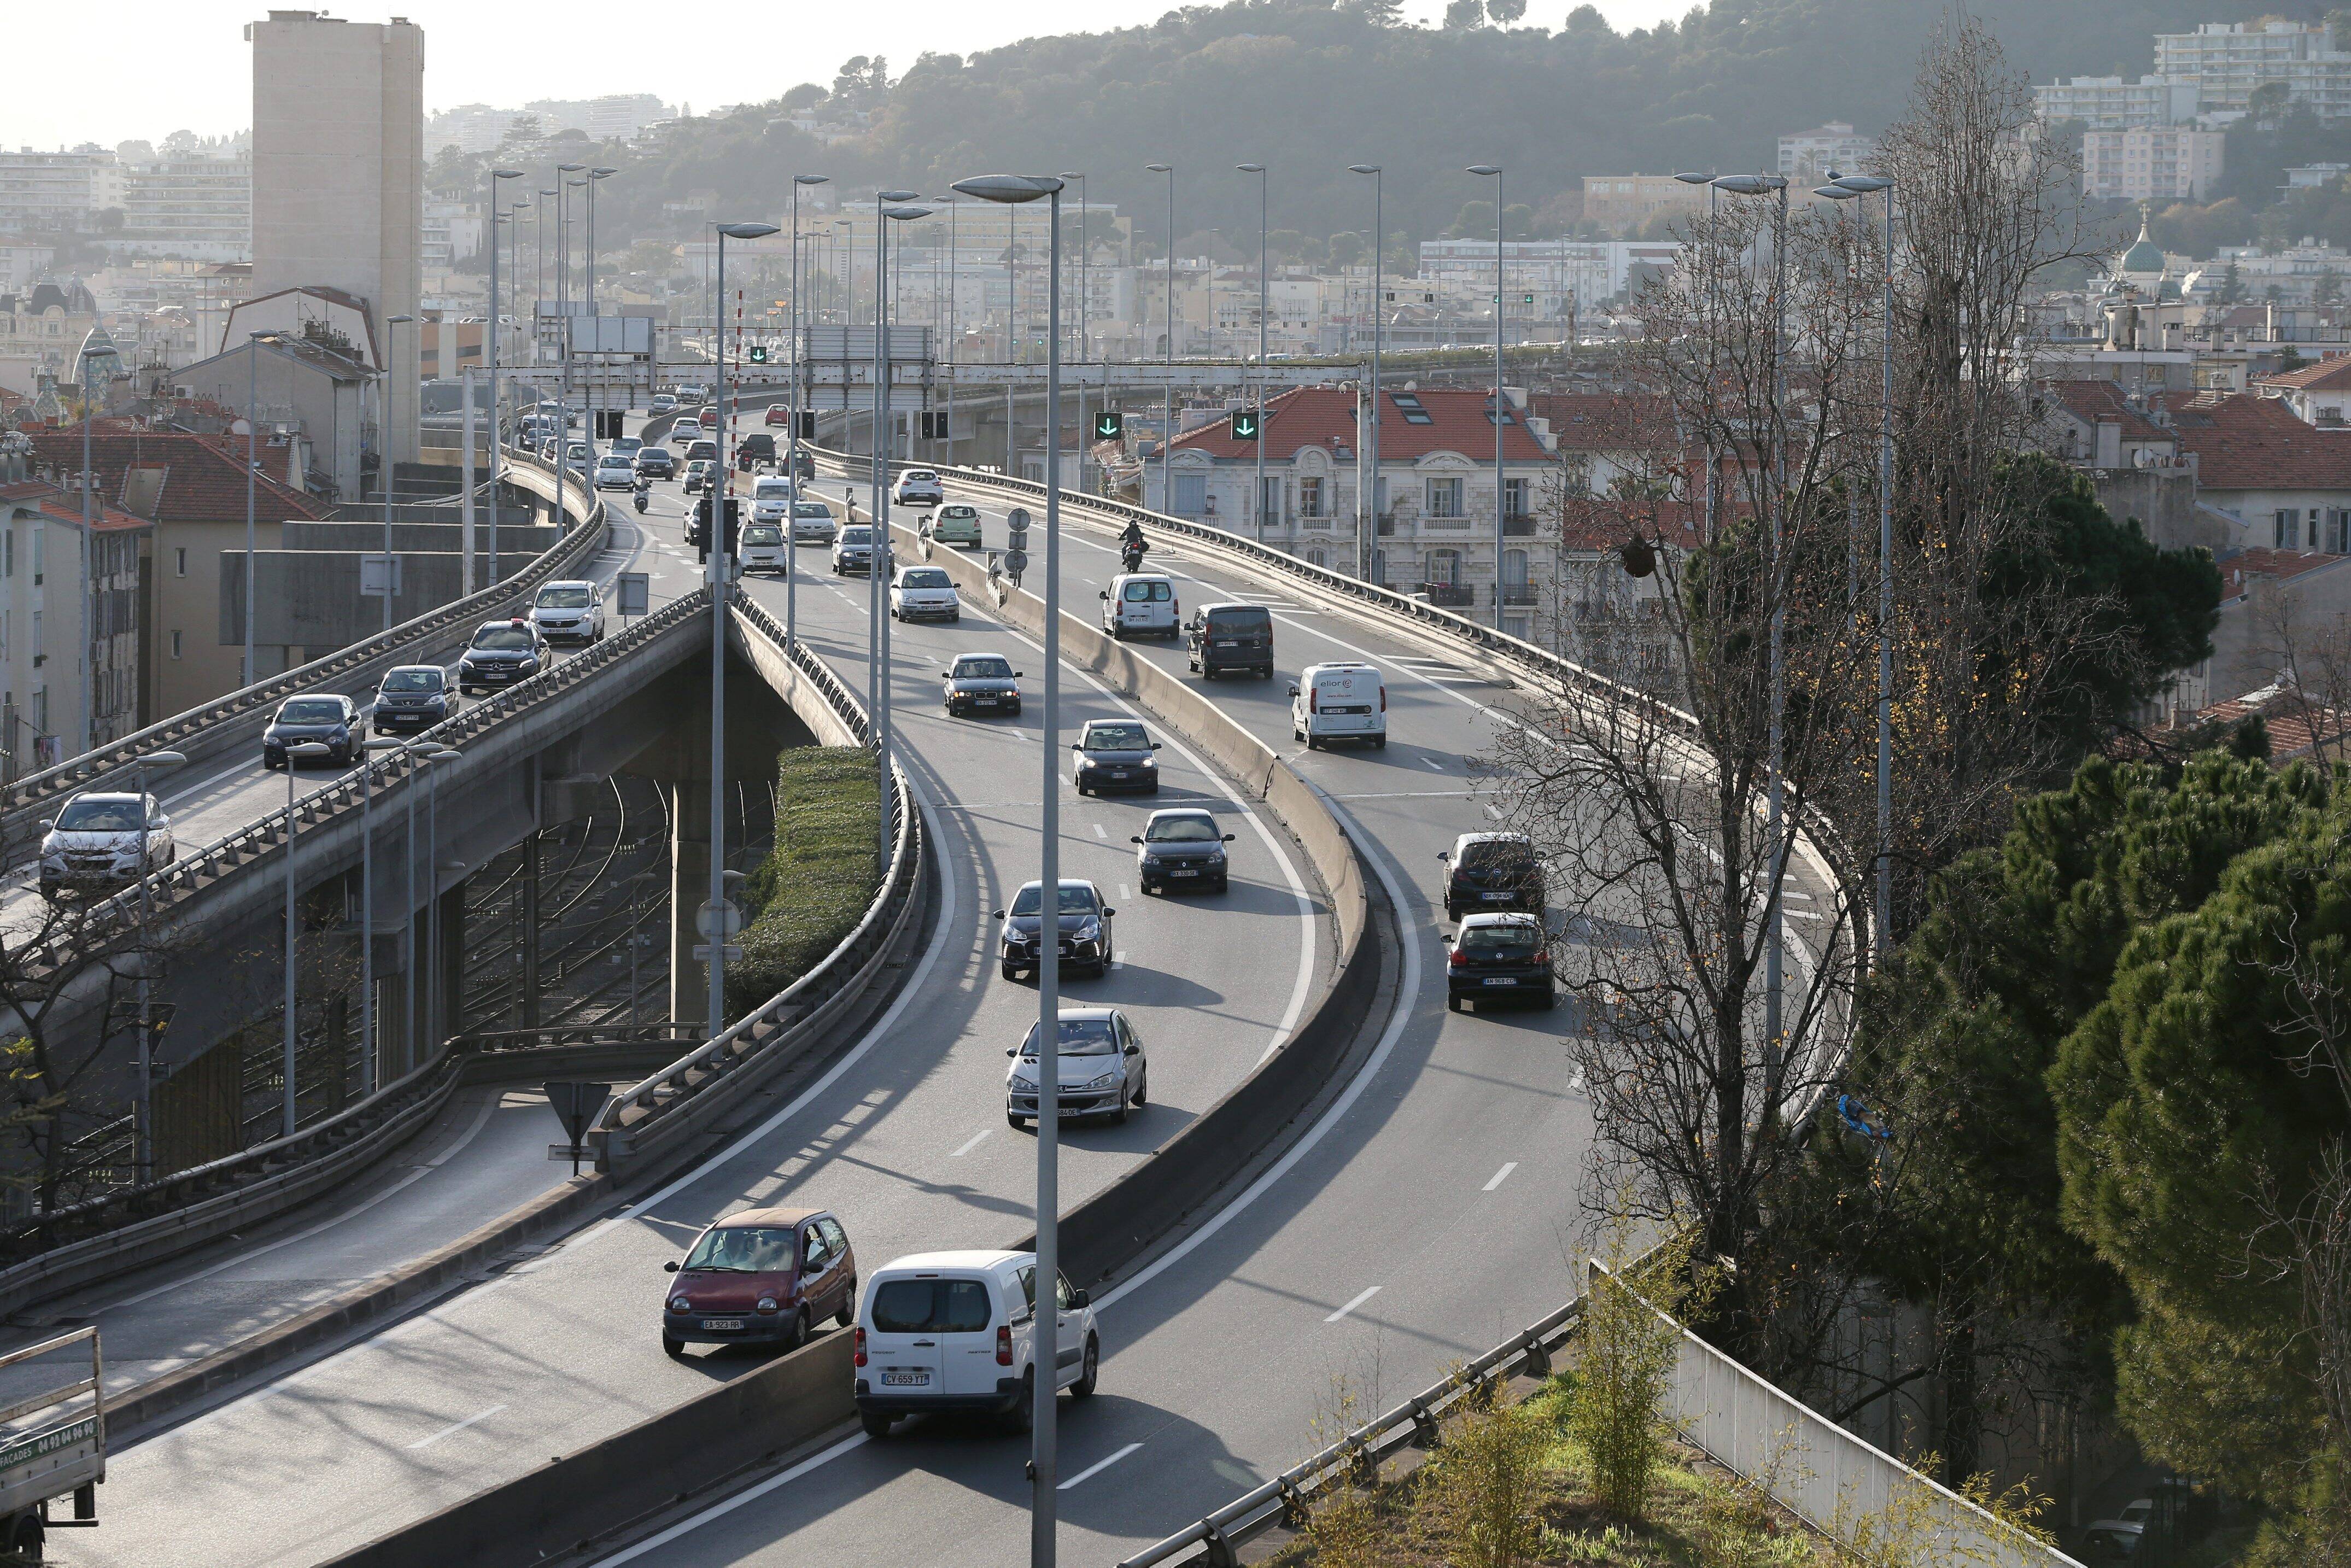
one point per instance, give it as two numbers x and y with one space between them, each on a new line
1857 185
1694 177
383 459
1367 442
491 352
98 344
714 534
1257 507
143 1141
799 401
1013 190
1501 410
887 211
595 176
1084 347
1167 430
538 235
300 751
368 1048
1775 917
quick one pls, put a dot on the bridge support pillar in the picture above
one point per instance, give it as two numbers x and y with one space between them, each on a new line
689 885
530 932
451 1018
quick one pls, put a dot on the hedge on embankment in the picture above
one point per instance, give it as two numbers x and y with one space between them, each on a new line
817 880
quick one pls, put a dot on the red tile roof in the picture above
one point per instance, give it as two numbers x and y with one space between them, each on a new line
2245 442
1605 421
2332 373
2092 401
203 483
66 505
1325 417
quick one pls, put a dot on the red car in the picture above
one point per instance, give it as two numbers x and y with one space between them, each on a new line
764 1276
778 415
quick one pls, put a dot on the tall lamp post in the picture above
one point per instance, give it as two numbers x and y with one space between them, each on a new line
383 453
1014 189
296 754
1257 507
1694 177
369 1046
595 177
97 345
1501 409
800 403
1775 916
1854 187
888 208
252 467
143 1141
715 534
548 202
1368 491
1167 430
490 352
1084 347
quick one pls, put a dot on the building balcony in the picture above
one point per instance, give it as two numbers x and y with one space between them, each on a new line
1520 527
1518 593
1452 595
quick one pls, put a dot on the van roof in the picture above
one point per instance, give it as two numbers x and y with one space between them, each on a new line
939 1262
1336 666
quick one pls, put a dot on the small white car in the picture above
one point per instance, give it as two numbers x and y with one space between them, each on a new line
1141 605
94 843
1103 1071
685 431
771 498
920 487
568 612
1344 701
616 471
957 1332
760 547
923 593
812 523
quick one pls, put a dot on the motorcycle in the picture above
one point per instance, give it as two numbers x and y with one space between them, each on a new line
641 500
1130 558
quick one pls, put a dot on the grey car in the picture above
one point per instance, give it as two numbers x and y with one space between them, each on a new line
1115 754
1181 848
332 719
1086 936
1103 1071
982 683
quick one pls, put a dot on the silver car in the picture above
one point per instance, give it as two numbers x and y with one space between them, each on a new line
94 843
812 523
1102 1071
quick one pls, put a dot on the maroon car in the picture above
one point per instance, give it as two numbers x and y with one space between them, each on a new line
761 1276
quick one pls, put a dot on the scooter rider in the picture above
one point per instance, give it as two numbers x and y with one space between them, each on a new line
645 489
1131 545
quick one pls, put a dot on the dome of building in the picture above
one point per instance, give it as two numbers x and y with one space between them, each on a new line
2145 258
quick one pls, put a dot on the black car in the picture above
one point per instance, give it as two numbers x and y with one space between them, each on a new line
412 697
1181 848
982 683
656 463
1115 754
1231 638
1492 872
1087 940
502 653
758 446
1497 956
333 721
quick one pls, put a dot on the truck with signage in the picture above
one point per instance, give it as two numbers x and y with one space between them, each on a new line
52 1447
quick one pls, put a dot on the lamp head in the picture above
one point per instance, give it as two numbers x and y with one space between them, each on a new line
1011 189
903 213
1862 185
1486 169
1073 174
505 174
811 179
1741 185
1250 168
397 320
569 168
1836 193
897 195
1160 168
1363 167
154 759
602 173
748 230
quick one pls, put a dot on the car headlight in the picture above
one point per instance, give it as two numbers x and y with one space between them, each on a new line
1216 855
527 664
767 1303
680 1304
1090 931
1025 1085
342 734
53 860
1102 1081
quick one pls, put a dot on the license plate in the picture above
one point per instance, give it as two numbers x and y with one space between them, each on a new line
983 702
1228 644
1503 981
1118 772
717 1323
1494 897
906 1380
1182 873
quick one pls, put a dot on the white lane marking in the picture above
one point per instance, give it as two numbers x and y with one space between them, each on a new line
1500 1176
1097 1468
1351 1306
1431 762
1123 893
1100 832
454 1428
719 1511
970 1144
481 1120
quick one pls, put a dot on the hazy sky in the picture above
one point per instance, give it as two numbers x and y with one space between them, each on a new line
140 69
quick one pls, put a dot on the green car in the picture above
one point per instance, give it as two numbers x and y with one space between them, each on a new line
957 526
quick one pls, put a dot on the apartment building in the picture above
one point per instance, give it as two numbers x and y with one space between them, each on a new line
2112 103
46 603
2228 61
195 207
1810 154
48 193
2151 163
1560 274
1625 202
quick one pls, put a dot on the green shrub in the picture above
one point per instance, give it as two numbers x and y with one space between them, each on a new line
815 885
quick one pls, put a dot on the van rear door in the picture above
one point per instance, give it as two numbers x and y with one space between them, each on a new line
1346 700
914 1323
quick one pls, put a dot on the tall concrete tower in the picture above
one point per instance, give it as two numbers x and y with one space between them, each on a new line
338 176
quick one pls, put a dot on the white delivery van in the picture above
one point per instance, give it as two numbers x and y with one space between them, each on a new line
771 498
1141 604
956 1332
1339 702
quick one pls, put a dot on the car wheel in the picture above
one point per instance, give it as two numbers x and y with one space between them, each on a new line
1011 971
1452 1003
877 1425
1150 889
847 1316
1118 1116
1142 1089
1023 1415
1015 710
1550 998
672 1348
1155 788
1081 789
1224 885
1091 1371
1380 742
797 1335
1014 1119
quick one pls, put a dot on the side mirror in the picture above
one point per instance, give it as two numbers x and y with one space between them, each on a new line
1134 1050
670 1267
1010 1049
1000 914
1102 593
1229 838
1019 675
1155 745
1080 1298
1134 837
1447 939
1445 855
1076 745
47 823
1107 913
1293 691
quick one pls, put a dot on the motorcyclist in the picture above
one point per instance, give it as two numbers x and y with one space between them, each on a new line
1131 545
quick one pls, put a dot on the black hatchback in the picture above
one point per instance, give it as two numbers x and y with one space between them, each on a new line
1492 872
1497 956
1231 639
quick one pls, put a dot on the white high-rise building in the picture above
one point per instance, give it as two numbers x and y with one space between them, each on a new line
2110 103
2228 61
338 177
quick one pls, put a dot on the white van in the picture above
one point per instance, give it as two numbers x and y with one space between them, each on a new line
1140 604
1339 702
954 1332
771 498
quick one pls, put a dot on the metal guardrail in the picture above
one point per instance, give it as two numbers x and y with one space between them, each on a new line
639 1113
37 790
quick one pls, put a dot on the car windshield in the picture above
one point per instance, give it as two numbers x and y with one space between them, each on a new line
1513 941
100 816
566 596
924 577
811 509
861 535
1237 622
930 1306
1115 737
1077 898
988 668
1495 855
742 1249
310 710
762 534
1080 1037
613 460
509 637
1181 831
770 489
413 681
